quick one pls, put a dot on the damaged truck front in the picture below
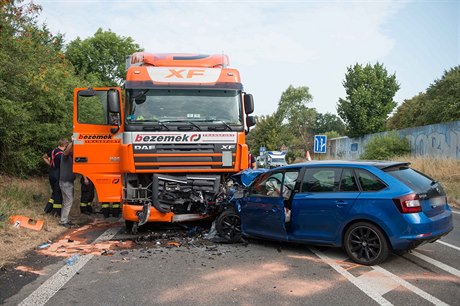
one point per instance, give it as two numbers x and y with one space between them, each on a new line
166 153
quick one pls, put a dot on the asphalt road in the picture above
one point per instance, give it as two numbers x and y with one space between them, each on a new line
159 267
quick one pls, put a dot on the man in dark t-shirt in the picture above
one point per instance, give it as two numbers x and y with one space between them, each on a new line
53 160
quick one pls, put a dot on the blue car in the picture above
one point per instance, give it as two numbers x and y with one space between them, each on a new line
368 208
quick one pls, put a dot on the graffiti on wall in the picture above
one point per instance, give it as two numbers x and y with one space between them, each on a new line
436 144
437 140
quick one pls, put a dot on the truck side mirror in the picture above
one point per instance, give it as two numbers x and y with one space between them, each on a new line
248 104
251 121
114 101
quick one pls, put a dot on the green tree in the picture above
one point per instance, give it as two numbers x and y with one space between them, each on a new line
270 133
329 123
369 99
301 120
101 57
440 103
36 85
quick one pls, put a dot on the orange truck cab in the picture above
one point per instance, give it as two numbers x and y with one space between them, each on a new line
166 153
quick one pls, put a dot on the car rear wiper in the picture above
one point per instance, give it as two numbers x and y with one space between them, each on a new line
177 121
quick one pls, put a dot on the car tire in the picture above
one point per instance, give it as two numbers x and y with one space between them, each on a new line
366 244
228 225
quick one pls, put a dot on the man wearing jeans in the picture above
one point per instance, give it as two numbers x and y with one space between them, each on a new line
66 180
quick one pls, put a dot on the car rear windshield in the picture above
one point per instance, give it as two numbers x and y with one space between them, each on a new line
417 181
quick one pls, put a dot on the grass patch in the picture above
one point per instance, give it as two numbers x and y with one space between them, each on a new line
24 197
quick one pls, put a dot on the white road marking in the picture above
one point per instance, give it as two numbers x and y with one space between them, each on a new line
362 284
51 286
438 264
376 283
456 212
409 286
448 244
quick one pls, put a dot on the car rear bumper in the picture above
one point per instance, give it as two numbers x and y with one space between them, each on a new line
421 230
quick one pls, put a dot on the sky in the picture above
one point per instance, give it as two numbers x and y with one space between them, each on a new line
275 44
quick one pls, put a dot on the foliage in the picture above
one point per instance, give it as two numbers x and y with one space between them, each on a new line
301 119
440 103
269 132
101 57
386 147
35 89
369 101
329 123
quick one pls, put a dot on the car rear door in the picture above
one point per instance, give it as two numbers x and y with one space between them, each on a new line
326 197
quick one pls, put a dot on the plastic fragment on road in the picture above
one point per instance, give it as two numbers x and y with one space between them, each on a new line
43 245
72 260
26 222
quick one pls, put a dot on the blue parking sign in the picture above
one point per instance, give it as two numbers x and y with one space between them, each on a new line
320 144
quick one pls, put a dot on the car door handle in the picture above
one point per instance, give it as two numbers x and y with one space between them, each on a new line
275 209
341 203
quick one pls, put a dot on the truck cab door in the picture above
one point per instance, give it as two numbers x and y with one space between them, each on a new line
97 136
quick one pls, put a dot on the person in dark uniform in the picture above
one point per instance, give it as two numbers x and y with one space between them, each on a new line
53 160
87 195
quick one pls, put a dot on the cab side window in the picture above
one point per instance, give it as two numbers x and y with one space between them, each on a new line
93 109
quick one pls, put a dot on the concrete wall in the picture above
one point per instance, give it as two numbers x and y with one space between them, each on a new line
437 140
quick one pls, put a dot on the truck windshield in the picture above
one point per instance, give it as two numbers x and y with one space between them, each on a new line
175 105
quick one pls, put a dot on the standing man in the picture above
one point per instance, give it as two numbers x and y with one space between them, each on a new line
53 160
66 180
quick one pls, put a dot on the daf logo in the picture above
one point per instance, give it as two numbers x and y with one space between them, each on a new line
144 147
228 147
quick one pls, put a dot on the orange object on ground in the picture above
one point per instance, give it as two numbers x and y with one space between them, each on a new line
308 157
22 221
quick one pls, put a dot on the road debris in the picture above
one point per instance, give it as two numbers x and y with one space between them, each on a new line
72 260
26 222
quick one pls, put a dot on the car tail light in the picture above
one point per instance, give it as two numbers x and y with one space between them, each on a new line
408 203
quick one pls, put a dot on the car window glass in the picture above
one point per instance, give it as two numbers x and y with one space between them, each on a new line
321 180
289 183
418 181
268 185
348 181
368 181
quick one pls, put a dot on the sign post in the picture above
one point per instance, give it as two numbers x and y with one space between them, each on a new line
320 144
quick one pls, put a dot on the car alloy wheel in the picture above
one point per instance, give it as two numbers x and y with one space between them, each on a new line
228 225
366 244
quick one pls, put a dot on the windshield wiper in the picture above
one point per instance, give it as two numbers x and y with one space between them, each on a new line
155 128
216 128
176 121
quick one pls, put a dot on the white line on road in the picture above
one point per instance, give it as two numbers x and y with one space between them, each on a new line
409 286
354 280
386 277
448 244
51 286
436 263
456 212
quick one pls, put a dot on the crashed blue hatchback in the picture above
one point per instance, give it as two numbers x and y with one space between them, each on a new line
368 208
